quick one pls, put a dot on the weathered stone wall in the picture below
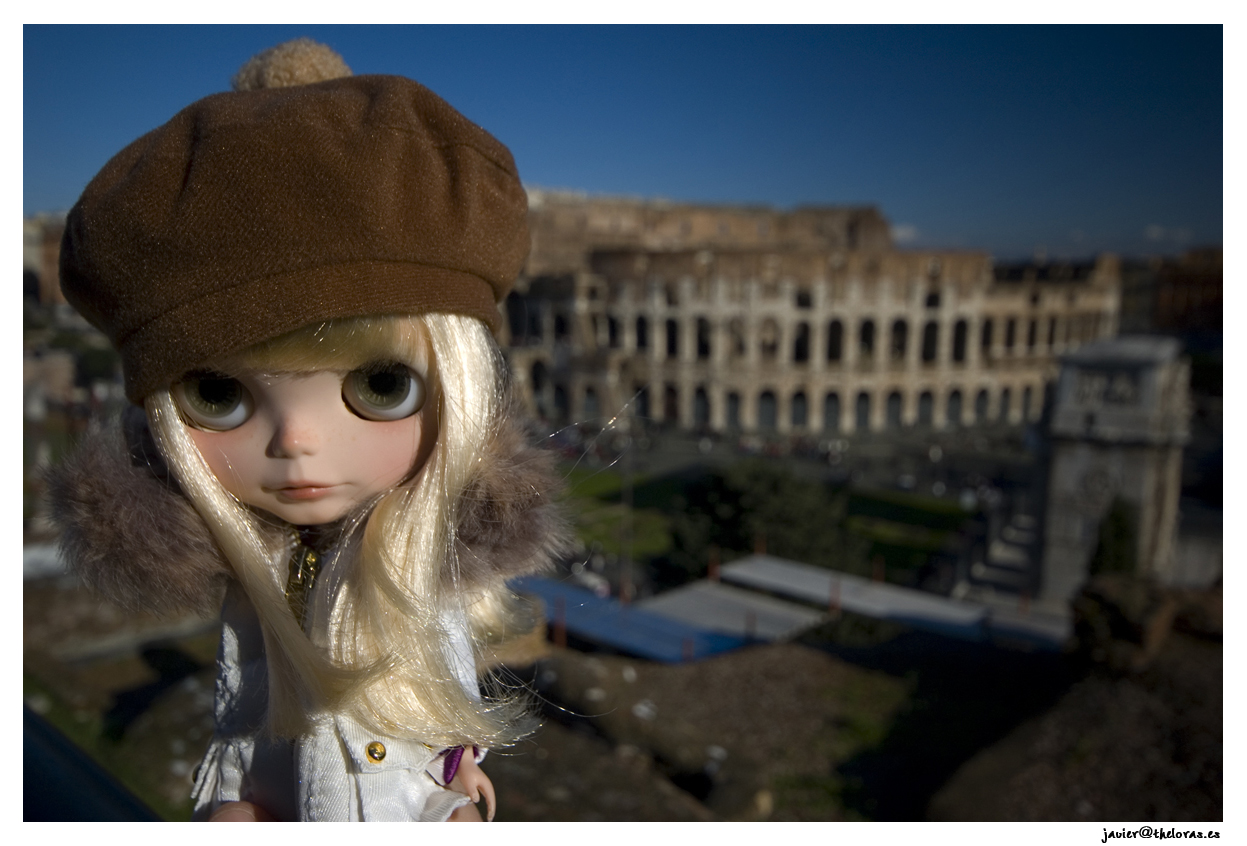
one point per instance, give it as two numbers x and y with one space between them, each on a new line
796 336
41 254
567 227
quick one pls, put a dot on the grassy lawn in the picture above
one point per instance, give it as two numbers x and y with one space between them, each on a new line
594 498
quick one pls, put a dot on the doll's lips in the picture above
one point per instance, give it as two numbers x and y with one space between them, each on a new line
302 491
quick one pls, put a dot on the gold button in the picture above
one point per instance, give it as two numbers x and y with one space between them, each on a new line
376 751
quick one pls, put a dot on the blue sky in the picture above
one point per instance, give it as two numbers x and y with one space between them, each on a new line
1064 139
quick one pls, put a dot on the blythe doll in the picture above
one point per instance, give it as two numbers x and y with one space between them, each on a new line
301 281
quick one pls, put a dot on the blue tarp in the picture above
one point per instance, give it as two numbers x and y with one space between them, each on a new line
625 628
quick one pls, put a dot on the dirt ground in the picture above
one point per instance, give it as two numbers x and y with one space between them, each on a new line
856 721
1144 745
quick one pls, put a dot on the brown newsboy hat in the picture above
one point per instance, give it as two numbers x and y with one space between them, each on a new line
254 213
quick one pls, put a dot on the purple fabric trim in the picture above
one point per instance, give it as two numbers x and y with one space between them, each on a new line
453 757
451 765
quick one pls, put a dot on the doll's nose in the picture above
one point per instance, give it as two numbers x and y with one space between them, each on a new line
294 436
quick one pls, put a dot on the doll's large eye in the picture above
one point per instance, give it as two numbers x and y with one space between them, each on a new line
213 402
383 392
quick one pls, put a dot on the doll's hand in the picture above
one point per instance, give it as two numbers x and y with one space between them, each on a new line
465 813
471 780
240 812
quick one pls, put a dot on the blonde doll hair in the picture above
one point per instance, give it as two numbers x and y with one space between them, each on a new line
387 662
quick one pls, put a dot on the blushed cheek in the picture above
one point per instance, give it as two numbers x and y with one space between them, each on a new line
219 451
394 457
206 443
423 441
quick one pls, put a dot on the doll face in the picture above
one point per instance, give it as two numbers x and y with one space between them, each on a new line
309 448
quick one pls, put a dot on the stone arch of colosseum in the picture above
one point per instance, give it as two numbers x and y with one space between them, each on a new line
793 336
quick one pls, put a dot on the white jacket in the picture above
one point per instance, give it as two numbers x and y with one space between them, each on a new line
327 774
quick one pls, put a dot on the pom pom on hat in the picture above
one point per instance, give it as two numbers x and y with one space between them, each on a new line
298 62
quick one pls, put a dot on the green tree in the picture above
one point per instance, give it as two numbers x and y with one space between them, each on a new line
759 502
1116 550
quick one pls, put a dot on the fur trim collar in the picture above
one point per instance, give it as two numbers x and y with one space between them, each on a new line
129 533
509 522
127 530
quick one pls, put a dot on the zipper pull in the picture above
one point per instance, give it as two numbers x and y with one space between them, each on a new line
304 566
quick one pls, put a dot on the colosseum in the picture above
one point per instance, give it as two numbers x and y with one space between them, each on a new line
748 319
